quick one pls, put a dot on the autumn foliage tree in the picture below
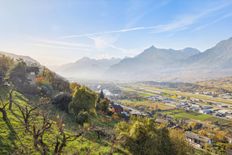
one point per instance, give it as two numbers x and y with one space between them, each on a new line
74 86
83 100
103 105
141 137
58 83
180 145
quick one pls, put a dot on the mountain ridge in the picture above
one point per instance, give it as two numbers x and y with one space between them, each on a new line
26 59
175 64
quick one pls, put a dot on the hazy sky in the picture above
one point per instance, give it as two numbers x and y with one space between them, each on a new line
60 31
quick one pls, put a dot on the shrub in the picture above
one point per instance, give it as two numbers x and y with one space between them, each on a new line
62 101
103 105
83 100
82 117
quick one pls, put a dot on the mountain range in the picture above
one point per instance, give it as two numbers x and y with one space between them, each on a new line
153 64
176 65
157 64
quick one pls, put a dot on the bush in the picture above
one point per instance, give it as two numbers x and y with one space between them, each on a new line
103 105
82 117
62 101
46 90
140 136
83 100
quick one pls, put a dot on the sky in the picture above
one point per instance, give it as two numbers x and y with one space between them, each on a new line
56 32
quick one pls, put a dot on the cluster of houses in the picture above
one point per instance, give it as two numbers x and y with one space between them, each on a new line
194 139
160 98
222 94
220 111
213 108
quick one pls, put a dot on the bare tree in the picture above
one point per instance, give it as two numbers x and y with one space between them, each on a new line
62 138
3 109
38 133
27 115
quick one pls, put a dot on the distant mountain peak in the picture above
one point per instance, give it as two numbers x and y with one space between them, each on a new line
224 42
190 48
83 59
190 51
152 47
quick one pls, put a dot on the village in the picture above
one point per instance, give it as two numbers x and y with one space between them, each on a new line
216 109
188 105
196 140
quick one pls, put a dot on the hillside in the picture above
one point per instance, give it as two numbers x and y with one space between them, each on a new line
15 140
219 56
26 59
30 121
221 83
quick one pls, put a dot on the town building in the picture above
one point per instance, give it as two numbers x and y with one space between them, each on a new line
116 108
197 140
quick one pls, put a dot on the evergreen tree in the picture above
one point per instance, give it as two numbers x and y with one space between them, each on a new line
101 95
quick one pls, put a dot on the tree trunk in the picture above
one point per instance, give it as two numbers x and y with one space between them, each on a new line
10 99
4 114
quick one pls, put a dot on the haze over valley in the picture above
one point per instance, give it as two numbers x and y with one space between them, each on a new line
116 77
156 64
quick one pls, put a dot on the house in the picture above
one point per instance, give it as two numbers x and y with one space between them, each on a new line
116 108
161 121
32 72
219 114
177 127
207 107
137 113
206 111
125 115
197 140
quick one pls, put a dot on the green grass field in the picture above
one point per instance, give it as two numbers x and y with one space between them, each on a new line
146 103
13 136
188 115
